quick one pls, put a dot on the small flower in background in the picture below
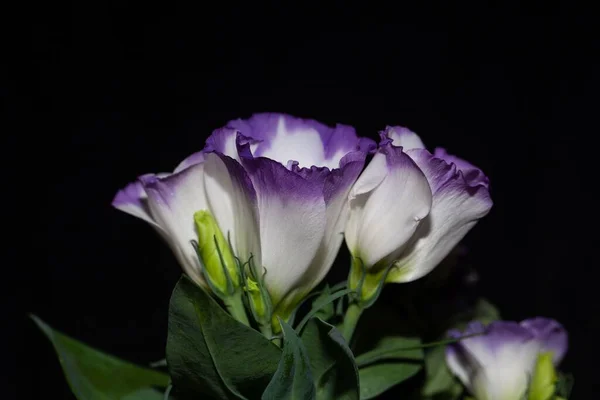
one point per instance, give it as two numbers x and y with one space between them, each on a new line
275 185
409 209
509 360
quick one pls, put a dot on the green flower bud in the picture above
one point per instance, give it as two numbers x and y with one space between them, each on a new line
220 265
543 382
258 298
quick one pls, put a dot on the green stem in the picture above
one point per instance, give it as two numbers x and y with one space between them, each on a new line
351 320
266 330
235 306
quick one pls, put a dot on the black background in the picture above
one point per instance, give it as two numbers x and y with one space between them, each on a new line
118 90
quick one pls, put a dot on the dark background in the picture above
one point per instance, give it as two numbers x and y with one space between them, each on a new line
115 91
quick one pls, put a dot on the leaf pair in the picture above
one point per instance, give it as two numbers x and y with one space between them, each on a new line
210 353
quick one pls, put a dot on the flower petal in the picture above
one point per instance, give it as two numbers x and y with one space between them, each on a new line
552 336
132 199
472 175
337 185
232 201
223 141
194 159
404 137
285 138
497 364
292 222
387 203
173 202
457 206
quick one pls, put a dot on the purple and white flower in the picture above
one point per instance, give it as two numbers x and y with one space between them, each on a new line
411 207
276 185
499 363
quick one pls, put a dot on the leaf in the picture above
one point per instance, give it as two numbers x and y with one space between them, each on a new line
318 305
331 361
439 380
327 311
393 348
93 375
564 385
293 379
210 353
387 364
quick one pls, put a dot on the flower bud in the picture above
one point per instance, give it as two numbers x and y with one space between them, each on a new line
220 266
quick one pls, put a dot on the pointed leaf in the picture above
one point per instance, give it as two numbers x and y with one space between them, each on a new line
388 364
331 361
93 375
210 353
327 311
293 379
322 301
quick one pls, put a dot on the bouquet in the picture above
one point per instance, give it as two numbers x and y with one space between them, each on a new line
257 218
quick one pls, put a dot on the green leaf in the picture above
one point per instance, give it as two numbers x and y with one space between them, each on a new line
93 375
210 353
327 311
293 379
439 380
564 385
318 305
387 364
393 348
331 361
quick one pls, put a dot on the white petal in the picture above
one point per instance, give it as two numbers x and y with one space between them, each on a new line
292 223
302 144
382 220
232 202
173 202
404 137
456 208
195 158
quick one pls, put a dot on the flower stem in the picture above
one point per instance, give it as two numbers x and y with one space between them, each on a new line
266 330
235 306
351 320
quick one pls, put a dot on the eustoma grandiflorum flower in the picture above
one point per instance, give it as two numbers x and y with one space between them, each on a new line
408 209
510 360
275 188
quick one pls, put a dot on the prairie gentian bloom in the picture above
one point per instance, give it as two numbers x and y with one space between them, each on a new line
408 209
460 198
387 204
276 186
500 364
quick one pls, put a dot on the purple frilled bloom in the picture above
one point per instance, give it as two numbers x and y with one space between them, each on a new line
499 363
275 184
411 207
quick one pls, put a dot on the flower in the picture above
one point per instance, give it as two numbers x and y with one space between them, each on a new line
460 198
503 362
409 208
276 186
387 203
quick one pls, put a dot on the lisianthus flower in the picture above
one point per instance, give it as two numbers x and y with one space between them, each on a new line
500 363
276 185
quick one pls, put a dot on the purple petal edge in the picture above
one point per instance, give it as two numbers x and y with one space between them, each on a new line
131 194
493 337
262 127
551 334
